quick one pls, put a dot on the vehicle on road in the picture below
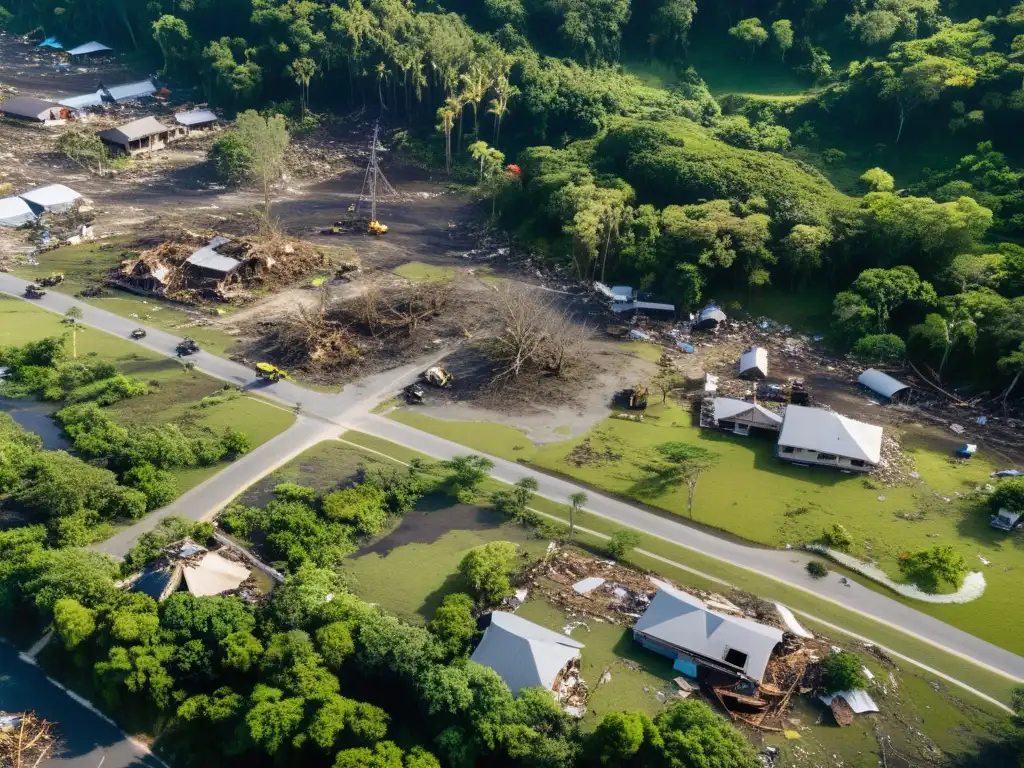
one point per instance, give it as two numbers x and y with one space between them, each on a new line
54 279
413 394
139 333
187 346
34 292
271 372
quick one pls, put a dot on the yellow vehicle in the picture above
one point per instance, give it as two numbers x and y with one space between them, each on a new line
638 397
438 376
376 228
271 372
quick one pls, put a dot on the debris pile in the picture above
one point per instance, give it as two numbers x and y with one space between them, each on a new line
571 690
190 267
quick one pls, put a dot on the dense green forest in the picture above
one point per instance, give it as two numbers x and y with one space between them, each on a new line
663 184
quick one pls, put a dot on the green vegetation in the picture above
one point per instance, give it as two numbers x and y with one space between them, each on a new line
817 569
843 671
418 272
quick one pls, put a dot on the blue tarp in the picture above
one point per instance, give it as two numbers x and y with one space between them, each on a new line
685 665
687 348
51 42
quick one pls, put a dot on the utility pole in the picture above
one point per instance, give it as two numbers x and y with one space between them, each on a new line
374 171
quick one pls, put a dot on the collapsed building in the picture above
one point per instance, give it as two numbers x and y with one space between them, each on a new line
188 565
191 266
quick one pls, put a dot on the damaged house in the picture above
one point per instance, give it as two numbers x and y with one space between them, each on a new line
683 628
817 436
207 265
739 417
526 655
147 134
202 572
196 120
31 110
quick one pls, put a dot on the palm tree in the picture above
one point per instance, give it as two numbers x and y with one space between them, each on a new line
446 116
474 86
71 317
303 71
504 93
576 502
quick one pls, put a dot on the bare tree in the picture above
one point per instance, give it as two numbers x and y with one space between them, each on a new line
525 319
27 741
568 343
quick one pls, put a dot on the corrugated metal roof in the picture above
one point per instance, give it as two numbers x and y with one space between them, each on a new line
882 383
207 258
755 358
129 91
14 212
55 197
523 653
196 117
684 621
83 100
730 408
26 106
135 130
92 47
815 429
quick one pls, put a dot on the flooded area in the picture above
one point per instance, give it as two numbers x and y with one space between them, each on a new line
35 416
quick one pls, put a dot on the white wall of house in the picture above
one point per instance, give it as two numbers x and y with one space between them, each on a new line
804 456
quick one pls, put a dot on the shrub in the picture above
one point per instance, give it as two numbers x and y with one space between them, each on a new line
817 569
837 537
231 158
236 443
208 451
1009 494
486 569
295 492
158 485
453 623
928 567
621 544
880 347
843 671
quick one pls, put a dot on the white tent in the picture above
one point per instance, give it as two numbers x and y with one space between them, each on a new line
88 48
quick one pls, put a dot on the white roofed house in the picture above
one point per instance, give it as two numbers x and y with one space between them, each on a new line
32 110
146 134
89 49
15 212
683 628
524 654
55 198
817 436
208 264
196 120
739 416
119 94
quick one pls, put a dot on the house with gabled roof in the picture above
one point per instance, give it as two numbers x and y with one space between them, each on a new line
524 654
817 436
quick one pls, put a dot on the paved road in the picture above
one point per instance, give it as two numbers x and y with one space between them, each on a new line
324 414
89 740
786 566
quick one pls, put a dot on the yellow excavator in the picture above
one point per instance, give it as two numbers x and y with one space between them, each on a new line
376 228
271 372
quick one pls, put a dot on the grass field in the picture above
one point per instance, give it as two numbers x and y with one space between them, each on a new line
679 563
418 272
176 393
88 264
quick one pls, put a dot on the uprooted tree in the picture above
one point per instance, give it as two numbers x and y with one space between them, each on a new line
311 336
26 741
535 335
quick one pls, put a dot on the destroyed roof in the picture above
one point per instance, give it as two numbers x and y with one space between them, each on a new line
755 358
523 653
93 47
685 622
712 312
815 429
214 575
55 197
155 580
859 701
196 117
208 258
26 106
14 212
727 408
135 130
83 100
129 91
881 383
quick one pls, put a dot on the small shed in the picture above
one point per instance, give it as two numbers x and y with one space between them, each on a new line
128 91
147 134
208 263
883 384
34 110
87 49
754 363
1005 520
55 198
196 120
709 318
14 212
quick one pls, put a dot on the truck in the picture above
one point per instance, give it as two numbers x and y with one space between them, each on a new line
34 292
187 346
438 376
